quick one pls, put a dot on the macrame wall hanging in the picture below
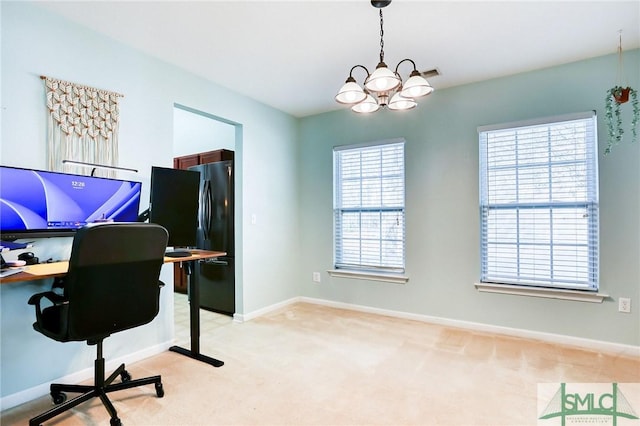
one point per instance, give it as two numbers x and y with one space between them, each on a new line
82 125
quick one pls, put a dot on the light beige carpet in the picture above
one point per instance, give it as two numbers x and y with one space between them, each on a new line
313 365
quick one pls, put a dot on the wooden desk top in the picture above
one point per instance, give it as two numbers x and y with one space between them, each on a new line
59 269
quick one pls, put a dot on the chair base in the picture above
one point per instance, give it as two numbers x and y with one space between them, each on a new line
99 389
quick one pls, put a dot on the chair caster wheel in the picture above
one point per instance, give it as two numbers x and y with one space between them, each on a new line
115 421
159 390
58 397
125 376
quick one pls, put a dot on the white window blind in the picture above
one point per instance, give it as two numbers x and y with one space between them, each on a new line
539 203
369 212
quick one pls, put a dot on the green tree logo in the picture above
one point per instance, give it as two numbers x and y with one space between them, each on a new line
588 405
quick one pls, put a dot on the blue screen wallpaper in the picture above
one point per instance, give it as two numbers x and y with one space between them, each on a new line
41 200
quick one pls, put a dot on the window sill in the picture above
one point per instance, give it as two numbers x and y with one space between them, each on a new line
550 293
371 276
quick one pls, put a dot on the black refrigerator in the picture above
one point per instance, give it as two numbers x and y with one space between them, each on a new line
216 232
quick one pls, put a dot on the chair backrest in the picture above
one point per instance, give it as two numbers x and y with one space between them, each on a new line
113 279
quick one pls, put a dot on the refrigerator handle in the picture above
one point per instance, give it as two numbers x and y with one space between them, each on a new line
206 211
211 202
230 183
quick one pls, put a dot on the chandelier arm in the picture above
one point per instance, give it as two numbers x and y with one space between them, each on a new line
359 66
405 60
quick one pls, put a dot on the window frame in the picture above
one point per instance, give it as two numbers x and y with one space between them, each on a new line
383 271
590 204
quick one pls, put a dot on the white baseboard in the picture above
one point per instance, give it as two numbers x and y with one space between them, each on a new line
611 348
265 310
30 394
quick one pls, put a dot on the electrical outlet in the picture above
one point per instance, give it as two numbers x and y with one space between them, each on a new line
624 304
316 277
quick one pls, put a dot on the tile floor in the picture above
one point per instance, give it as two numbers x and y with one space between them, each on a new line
209 321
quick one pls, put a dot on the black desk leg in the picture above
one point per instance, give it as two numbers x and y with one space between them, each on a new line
194 319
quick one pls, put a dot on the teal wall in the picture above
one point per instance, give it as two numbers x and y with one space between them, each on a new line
442 224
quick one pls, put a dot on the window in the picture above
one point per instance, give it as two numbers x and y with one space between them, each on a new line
539 203
369 207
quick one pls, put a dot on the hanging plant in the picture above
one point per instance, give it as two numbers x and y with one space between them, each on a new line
617 96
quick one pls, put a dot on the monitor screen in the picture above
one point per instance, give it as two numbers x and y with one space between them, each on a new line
37 203
174 204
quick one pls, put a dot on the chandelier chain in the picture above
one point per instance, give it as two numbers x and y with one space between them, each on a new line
381 37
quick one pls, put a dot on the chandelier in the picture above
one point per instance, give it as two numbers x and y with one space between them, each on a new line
384 87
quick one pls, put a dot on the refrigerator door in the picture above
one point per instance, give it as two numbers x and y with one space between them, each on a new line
215 224
216 277
217 285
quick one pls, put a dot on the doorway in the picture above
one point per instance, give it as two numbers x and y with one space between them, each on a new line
196 132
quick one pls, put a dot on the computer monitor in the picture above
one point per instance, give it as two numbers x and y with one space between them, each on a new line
38 203
174 205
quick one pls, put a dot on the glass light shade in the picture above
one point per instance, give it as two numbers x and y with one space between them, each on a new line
366 106
350 93
399 102
382 79
416 86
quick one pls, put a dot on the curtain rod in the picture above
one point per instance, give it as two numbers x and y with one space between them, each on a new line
44 77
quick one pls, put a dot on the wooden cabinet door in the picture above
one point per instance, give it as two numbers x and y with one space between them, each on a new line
180 282
186 161
210 157
202 158
214 156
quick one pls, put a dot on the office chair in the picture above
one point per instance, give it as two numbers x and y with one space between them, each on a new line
112 285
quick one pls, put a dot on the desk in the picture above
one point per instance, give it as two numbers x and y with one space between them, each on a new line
59 269
38 272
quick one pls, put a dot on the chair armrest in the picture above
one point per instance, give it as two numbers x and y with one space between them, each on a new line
54 298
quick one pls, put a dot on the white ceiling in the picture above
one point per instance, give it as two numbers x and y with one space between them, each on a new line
295 55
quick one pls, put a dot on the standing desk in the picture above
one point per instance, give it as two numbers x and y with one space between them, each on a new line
59 269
